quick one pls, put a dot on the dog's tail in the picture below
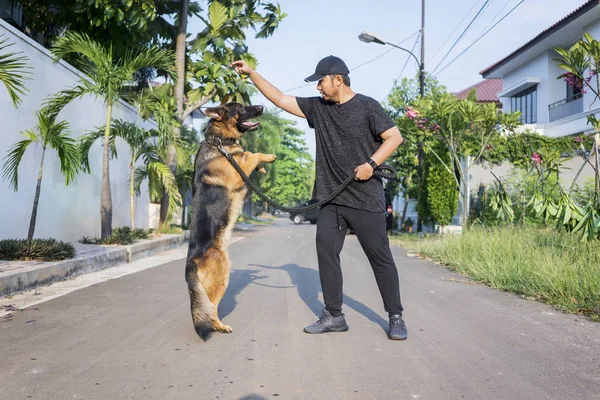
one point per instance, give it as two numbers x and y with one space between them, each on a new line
201 307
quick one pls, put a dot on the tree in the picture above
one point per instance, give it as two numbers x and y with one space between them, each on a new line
290 180
14 71
442 194
123 23
220 43
111 76
48 133
142 145
405 159
467 130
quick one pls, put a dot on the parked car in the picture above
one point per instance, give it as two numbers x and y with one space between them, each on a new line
389 212
310 215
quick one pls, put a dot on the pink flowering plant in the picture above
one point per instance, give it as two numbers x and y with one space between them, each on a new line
467 129
581 63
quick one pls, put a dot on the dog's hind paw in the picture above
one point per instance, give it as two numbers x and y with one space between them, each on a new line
220 327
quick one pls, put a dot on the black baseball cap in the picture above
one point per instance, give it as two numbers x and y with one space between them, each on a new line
330 65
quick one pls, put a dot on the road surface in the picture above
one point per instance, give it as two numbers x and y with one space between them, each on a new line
132 337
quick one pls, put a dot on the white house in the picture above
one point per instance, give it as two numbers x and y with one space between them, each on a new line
530 85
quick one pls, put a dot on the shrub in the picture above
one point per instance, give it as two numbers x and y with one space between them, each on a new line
38 250
122 235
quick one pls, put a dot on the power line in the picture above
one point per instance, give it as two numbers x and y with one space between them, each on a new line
455 29
481 37
405 64
360 65
461 35
408 57
495 16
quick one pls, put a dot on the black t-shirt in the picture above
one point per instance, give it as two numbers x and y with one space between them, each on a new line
347 135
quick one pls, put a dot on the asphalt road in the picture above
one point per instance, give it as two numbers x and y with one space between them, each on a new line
132 337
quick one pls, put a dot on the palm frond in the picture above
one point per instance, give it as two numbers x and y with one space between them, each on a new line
54 104
84 145
14 71
10 169
68 153
165 177
153 57
95 55
138 177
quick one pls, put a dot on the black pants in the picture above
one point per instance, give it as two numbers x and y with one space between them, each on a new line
370 230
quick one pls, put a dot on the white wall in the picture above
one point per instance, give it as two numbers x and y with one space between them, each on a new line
536 68
66 213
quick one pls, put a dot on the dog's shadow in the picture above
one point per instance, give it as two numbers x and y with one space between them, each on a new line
308 284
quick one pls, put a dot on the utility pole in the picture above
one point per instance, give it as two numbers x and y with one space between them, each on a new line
422 93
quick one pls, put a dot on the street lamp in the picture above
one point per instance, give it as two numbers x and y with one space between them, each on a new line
369 37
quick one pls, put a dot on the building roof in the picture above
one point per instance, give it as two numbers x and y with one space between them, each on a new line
486 90
589 5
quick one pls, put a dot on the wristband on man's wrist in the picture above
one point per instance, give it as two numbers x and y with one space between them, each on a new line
372 163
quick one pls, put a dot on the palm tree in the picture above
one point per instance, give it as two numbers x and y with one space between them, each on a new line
14 70
48 133
110 77
142 144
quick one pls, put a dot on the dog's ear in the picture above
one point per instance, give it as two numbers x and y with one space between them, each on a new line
214 113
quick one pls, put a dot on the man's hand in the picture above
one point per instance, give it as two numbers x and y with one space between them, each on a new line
363 172
241 67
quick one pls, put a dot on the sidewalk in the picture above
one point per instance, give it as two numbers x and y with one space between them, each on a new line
16 276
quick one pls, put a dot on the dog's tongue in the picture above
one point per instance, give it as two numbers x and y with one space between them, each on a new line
250 124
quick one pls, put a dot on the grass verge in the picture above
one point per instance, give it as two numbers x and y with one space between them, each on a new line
536 263
122 235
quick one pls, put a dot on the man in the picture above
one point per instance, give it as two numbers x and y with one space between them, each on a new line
353 134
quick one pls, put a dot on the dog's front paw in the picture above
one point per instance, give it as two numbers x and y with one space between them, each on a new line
262 170
269 158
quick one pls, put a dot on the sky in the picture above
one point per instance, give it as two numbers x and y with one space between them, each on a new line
314 29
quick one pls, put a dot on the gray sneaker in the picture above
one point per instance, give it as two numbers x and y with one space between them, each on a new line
327 323
397 328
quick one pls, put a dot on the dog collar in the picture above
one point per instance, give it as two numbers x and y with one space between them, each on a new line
217 141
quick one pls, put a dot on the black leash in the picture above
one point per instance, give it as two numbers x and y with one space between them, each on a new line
383 171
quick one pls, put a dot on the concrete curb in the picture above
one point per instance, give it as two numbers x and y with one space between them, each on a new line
47 273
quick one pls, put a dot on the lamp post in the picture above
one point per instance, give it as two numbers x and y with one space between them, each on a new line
369 37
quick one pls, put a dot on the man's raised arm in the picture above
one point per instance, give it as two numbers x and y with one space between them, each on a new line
276 96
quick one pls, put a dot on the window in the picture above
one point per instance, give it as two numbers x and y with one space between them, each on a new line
526 102
573 93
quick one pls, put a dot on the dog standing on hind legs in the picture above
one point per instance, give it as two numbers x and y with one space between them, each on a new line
218 196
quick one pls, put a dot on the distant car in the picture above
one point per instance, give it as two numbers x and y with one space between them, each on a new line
310 215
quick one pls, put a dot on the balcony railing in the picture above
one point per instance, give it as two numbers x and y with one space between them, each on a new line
566 107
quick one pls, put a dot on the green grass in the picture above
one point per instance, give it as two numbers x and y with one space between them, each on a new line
39 250
122 235
536 263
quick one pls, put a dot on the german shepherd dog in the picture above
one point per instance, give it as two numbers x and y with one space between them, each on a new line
218 196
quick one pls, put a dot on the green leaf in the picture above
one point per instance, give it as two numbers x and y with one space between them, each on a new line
10 170
217 15
14 71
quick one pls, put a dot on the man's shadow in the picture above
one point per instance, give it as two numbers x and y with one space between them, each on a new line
308 284
238 280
